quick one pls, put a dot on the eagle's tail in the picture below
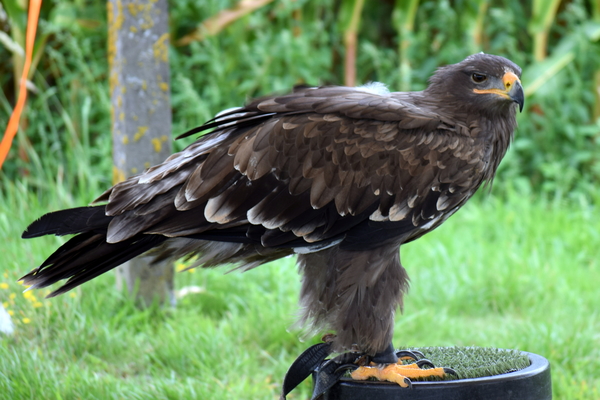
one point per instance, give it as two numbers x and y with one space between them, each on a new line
86 255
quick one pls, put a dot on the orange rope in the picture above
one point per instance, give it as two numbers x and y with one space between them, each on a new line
13 122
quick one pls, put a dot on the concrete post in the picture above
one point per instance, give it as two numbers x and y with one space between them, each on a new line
138 43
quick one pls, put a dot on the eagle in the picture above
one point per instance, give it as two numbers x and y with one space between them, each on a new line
342 177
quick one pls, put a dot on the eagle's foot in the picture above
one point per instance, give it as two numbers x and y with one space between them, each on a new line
388 366
399 373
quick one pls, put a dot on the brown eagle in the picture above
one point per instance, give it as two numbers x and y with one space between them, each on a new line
340 176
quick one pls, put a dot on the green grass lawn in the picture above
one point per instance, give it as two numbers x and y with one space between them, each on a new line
516 273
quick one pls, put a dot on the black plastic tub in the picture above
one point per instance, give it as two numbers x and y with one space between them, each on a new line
531 383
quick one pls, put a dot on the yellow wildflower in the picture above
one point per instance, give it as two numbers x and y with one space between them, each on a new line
26 320
3 285
11 312
38 304
12 296
29 295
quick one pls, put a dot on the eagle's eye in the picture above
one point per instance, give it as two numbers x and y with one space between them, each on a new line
478 78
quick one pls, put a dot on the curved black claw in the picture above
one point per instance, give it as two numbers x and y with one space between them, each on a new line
346 367
417 352
408 382
450 371
414 354
425 363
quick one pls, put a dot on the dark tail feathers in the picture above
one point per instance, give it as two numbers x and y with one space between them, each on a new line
86 255
70 221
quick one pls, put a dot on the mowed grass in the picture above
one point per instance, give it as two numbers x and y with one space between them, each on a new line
515 273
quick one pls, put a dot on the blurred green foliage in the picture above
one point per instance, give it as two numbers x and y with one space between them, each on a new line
66 128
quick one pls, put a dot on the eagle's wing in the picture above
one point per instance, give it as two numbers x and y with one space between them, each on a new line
313 167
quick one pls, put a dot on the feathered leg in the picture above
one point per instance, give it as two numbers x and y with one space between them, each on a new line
356 294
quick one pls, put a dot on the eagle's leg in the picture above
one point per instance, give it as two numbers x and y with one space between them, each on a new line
387 366
388 356
356 294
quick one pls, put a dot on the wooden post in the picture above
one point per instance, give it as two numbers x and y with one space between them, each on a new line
354 9
138 42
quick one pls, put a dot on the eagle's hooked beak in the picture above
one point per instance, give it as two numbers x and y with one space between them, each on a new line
512 90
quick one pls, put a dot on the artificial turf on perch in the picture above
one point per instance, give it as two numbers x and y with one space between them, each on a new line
474 362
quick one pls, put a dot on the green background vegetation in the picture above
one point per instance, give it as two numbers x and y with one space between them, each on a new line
516 269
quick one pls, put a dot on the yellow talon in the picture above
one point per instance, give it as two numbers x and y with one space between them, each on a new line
397 373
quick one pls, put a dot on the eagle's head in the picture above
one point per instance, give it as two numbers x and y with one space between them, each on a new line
482 82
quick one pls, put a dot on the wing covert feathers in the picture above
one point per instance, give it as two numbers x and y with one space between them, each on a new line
281 161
